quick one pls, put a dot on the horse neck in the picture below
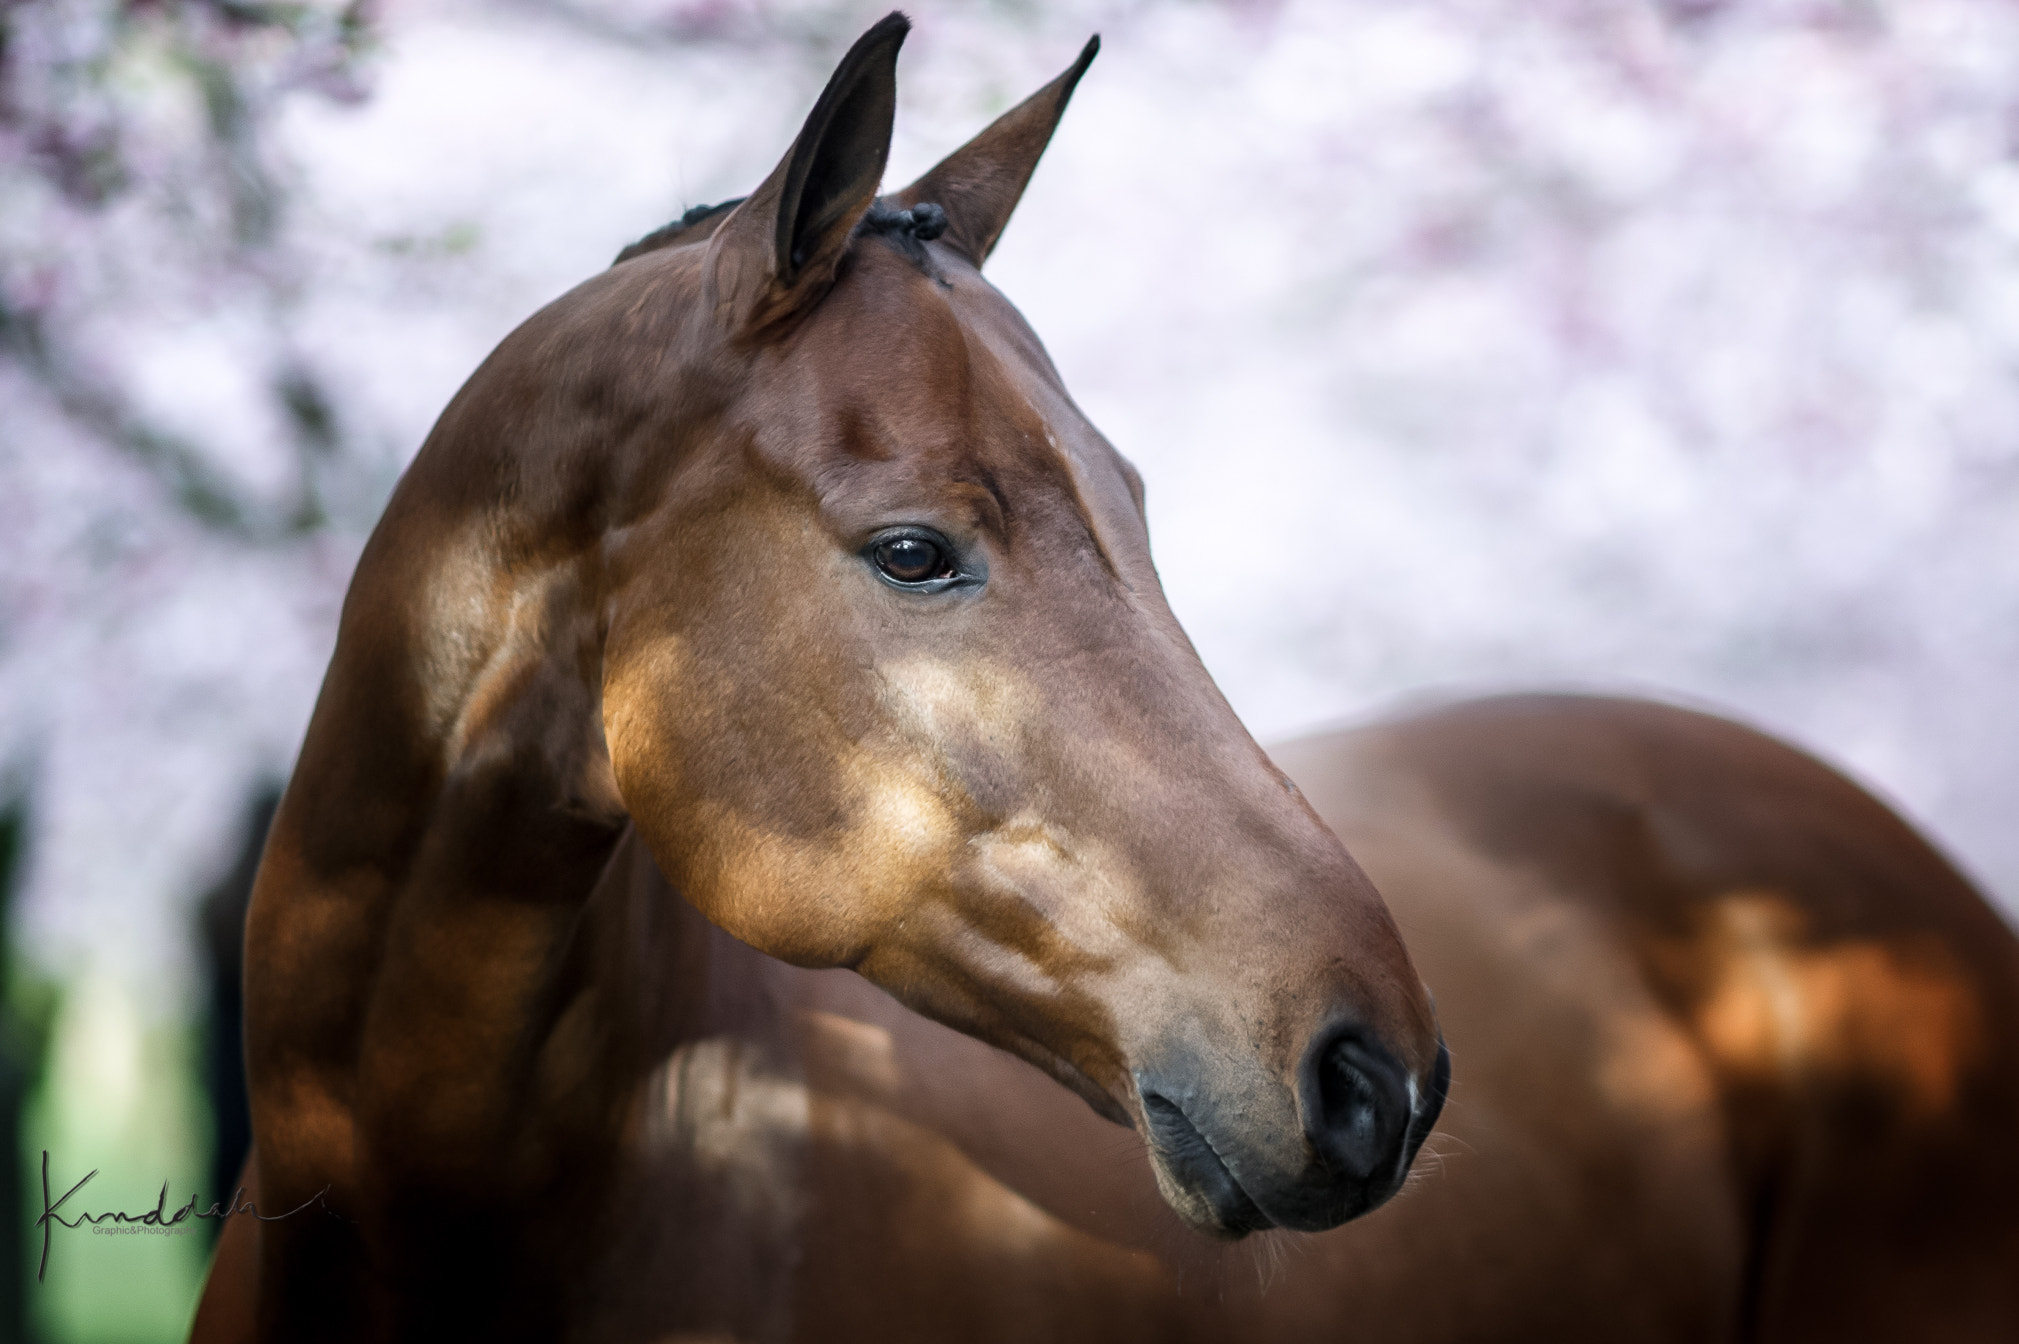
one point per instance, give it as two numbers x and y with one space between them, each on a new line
435 1000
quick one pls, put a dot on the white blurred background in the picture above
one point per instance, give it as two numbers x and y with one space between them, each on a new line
1464 345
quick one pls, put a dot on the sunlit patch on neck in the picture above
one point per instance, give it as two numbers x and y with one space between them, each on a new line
717 1105
456 632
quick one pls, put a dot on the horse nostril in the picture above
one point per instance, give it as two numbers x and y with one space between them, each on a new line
1359 1116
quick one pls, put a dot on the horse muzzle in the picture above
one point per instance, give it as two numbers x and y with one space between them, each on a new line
1364 1117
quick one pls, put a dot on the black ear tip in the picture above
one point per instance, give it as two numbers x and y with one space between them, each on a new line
1071 78
893 25
884 37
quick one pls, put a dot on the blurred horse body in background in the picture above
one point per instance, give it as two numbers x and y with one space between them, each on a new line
1737 1052
758 769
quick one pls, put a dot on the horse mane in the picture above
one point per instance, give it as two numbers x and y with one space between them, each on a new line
906 230
668 235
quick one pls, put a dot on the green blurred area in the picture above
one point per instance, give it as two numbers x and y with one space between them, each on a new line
118 1097
86 1078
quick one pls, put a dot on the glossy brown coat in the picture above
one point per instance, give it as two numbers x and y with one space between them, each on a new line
671 925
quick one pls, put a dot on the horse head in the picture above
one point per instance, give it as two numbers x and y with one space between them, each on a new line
888 680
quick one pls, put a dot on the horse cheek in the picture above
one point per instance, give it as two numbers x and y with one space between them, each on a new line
767 834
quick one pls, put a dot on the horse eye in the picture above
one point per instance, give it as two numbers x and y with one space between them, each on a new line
910 559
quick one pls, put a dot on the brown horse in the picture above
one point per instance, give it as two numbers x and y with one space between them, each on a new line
764 843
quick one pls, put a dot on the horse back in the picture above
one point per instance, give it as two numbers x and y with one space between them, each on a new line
1824 999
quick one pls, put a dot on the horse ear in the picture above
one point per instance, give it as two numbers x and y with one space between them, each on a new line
777 253
979 184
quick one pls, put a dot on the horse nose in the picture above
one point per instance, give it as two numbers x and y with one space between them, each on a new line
1358 1109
